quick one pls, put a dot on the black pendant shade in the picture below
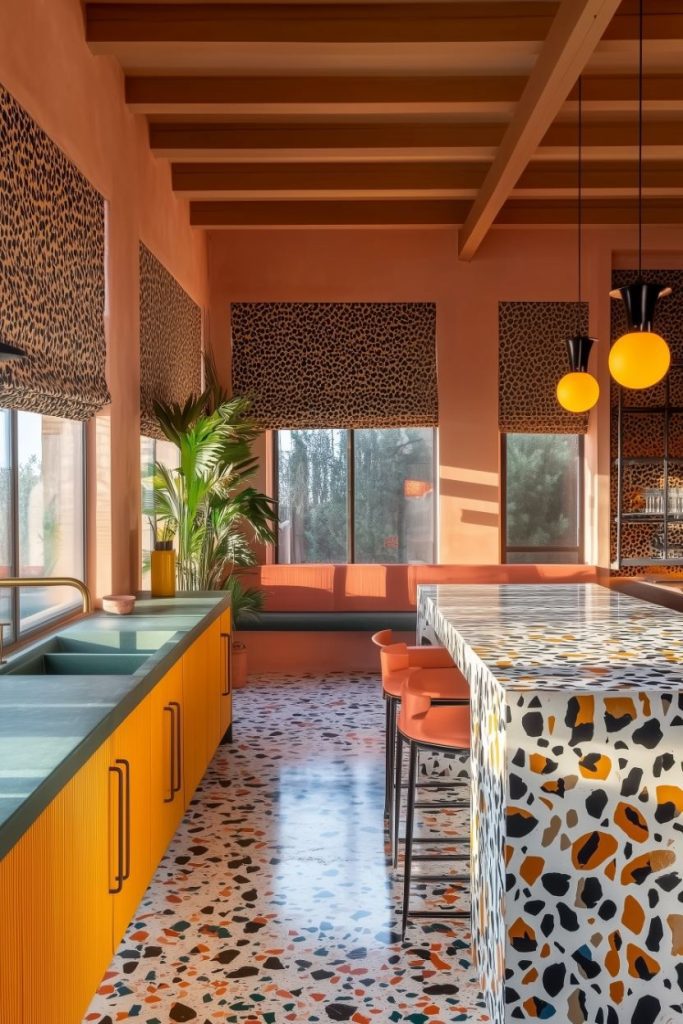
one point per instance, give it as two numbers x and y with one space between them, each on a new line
579 350
640 300
10 353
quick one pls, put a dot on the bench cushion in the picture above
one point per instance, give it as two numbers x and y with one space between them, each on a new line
333 621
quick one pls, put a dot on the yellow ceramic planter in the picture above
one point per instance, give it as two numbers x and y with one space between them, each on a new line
163 573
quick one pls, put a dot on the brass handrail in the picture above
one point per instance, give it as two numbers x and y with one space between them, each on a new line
51 581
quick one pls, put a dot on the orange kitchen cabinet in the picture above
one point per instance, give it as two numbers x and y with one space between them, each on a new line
196 706
226 672
12 884
167 802
130 835
215 680
60 910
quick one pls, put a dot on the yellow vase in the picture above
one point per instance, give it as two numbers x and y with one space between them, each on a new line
163 573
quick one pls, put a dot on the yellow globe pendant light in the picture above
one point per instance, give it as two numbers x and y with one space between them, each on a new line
578 390
640 358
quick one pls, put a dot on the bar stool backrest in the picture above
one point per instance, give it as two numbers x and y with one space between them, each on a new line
383 638
394 658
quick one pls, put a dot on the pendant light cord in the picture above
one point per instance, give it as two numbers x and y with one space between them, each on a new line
640 140
579 183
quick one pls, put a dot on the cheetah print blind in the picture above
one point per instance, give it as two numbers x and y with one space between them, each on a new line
337 364
170 342
51 274
532 356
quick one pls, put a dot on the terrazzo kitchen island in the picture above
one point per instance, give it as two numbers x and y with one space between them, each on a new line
577 797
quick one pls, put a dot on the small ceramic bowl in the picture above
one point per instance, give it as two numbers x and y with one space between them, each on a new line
118 604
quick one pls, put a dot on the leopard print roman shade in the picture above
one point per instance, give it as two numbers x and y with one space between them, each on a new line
51 274
336 364
170 342
532 356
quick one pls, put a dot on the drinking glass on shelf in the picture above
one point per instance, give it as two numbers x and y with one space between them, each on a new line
653 500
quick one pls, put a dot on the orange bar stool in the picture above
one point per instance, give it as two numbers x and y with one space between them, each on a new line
440 679
425 726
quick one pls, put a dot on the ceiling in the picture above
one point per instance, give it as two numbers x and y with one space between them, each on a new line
403 111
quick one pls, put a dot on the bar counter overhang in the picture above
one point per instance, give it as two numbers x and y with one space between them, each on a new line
577 798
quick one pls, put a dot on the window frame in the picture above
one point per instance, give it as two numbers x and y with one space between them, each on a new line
21 636
351 492
579 547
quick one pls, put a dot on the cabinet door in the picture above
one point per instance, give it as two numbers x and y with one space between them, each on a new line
196 710
167 802
61 906
226 672
130 782
215 685
13 882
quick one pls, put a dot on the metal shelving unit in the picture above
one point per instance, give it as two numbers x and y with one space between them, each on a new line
624 518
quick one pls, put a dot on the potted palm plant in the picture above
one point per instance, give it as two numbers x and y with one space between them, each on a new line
207 501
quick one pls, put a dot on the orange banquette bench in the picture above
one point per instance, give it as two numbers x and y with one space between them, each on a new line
321 617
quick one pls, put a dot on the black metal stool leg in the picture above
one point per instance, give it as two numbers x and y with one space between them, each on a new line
388 740
396 815
408 854
393 705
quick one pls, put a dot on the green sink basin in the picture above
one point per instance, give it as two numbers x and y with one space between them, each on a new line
110 641
48 663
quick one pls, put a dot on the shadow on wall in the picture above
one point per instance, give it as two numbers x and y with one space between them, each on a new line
342 588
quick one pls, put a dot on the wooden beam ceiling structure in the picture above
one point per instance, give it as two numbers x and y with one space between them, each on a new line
393 112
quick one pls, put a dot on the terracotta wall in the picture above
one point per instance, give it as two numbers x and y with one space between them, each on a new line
421 264
78 100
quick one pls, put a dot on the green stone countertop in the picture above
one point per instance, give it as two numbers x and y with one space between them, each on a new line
50 725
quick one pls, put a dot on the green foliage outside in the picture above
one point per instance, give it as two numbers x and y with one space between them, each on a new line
541 489
313 490
29 478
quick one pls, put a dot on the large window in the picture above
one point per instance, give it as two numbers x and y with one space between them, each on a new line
543 476
42 509
356 495
152 451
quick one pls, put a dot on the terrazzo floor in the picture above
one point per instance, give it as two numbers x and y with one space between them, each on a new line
275 901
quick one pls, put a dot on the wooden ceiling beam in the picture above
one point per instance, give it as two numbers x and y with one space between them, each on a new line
329 141
319 212
224 180
602 211
605 93
460 21
420 212
192 94
410 180
615 180
324 140
483 94
510 21
573 36
612 140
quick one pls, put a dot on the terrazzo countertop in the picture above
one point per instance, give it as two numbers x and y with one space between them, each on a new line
51 724
561 636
